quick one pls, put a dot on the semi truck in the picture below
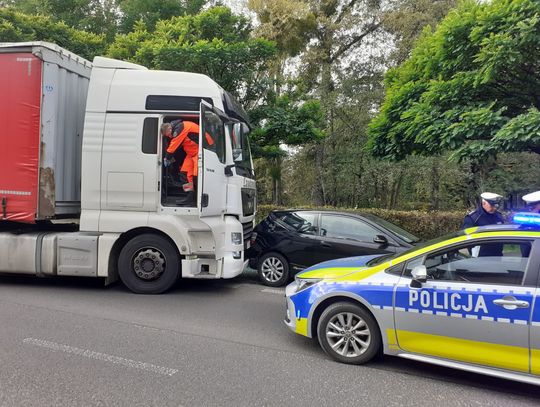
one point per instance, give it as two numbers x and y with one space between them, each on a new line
83 188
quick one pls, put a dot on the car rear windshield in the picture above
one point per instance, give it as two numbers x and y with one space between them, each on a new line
402 233
299 221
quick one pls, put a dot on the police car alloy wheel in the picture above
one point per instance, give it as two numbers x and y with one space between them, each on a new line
348 333
273 269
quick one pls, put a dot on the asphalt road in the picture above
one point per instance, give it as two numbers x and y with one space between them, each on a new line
207 343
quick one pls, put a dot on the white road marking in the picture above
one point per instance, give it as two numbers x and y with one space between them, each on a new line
53 346
273 291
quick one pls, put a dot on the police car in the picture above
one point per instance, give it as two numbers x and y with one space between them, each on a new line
466 301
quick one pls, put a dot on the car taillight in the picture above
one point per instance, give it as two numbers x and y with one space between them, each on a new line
253 238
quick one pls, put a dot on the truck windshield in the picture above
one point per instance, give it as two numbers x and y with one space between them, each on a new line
241 151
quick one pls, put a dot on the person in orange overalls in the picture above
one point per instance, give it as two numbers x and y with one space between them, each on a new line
185 134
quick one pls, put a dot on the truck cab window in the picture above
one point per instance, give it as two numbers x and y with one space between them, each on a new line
214 138
240 148
150 135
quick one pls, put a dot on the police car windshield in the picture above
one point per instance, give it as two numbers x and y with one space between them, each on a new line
379 260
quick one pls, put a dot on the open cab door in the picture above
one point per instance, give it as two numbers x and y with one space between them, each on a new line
212 181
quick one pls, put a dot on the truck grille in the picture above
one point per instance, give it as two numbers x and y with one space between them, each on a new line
248 231
248 201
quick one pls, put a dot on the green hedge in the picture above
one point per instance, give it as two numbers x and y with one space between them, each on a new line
426 225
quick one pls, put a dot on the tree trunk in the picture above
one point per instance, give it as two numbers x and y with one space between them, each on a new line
435 184
473 184
396 187
320 192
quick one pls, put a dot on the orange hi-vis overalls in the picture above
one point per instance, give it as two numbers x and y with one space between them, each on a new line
186 139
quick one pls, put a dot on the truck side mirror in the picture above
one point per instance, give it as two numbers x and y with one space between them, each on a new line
419 276
237 155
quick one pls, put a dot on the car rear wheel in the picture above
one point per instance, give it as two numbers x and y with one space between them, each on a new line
348 333
273 270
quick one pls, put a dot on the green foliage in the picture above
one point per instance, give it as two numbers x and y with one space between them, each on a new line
15 27
407 19
519 132
215 42
96 16
424 224
150 12
290 23
286 122
466 86
283 122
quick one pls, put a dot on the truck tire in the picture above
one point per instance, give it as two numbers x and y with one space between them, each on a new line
149 264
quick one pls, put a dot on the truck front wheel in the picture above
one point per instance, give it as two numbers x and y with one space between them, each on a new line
149 264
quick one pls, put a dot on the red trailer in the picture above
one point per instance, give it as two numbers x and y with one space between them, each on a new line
42 107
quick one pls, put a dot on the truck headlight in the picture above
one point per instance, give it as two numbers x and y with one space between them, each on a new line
236 237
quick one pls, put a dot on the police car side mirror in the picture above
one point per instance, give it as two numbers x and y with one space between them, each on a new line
419 276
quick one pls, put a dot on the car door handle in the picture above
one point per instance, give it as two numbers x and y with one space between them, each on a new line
326 244
511 303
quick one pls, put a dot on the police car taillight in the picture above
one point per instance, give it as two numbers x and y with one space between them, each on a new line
529 219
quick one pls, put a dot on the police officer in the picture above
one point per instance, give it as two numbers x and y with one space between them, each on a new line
532 201
487 213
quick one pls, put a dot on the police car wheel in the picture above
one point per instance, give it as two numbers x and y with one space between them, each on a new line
273 269
149 264
348 333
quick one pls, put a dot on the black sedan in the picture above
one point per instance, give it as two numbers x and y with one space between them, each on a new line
286 242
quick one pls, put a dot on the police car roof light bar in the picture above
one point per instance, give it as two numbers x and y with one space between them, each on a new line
529 219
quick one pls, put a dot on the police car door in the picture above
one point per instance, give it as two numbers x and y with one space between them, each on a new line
212 179
471 309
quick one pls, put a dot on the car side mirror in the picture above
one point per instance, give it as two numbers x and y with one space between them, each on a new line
419 276
380 239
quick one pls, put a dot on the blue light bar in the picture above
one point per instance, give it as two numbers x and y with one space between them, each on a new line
527 218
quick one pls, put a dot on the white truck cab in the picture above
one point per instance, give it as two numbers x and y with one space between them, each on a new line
135 219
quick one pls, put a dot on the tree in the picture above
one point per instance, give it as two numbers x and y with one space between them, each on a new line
96 16
284 122
408 18
290 24
20 27
215 42
472 86
151 11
